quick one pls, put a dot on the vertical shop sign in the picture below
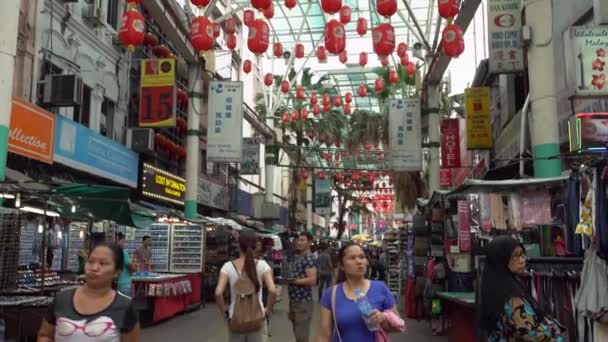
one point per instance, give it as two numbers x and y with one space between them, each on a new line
464 226
322 196
445 178
157 100
479 126
587 55
504 36
404 135
450 144
225 122
250 158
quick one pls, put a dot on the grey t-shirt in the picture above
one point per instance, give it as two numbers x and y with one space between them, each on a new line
105 326
324 263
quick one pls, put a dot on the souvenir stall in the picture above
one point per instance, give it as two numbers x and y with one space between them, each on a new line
394 245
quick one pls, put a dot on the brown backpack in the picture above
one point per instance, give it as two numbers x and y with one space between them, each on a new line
248 315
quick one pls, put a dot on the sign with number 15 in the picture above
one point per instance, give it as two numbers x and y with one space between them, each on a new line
157 96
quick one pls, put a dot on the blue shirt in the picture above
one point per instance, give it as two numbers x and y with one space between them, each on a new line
124 279
350 323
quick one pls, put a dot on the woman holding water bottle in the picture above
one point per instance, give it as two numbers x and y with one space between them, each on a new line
356 309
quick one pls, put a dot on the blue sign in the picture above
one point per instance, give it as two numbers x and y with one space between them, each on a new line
83 149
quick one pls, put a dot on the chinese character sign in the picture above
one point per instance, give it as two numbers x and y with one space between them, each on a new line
464 226
157 93
450 143
504 36
404 135
479 126
225 122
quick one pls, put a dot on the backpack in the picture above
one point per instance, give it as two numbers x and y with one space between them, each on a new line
248 315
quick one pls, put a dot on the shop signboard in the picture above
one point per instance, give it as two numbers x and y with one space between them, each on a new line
84 149
586 51
504 36
162 185
225 122
250 159
445 178
464 226
479 124
157 98
593 130
405 135
212 193
322 196
32 131
450 144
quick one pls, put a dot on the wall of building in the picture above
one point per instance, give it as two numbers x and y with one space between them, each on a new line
24 62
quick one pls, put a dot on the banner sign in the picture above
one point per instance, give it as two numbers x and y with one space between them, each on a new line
225 122
32 131
157 98
592 130
504 36
464 226
404 135
162 185
250 159
84 149
479 124
322 196
450 144
587 55
212 193
445 178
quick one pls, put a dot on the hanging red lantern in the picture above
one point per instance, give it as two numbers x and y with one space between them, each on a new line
326 108
313 98
348 97
343 57
362 90
216 29
379 84
405 60
304 114
247 66
295 115
335 37
290 4
157 140
285 86
448 8
311 134
277 49
383 60
322 54
299 93
393 76
411 68
383 37
361 26
316 109
299 50
200 3
402 49
386 8
132 29
181 124
363 58
161 51
345 14
201 35
285 117
182 97
326 99
356 176
322 175
367 147
331 6
347 109
259 37
230 25
304 174
337 101
269 11
268 79
248 17
231 41
452 40
150 39
261 5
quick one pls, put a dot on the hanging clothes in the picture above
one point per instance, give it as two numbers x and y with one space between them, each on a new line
572 207
498 212
536 207
592 296
601 214
515 211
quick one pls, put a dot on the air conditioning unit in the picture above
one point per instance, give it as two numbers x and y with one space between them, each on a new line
93 14
62 90
140 139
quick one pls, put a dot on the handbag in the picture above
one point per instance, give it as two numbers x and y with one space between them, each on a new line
334 289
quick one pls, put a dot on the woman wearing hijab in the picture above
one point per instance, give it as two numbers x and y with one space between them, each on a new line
508 311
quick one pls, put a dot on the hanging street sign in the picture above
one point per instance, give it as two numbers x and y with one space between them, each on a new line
322 196
250 159
225 122
404 135
157 98
450 143
504 36
586 51
479 124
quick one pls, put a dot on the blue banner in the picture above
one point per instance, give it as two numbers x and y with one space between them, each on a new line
83 149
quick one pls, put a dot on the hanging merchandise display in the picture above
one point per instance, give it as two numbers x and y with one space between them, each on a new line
335 37
259 37
132 29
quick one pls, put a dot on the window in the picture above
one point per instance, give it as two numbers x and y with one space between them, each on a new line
112 13
47 69
106 122
83 116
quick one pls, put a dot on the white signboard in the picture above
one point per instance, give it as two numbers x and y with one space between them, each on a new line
504 36
404 135
587 60
225 121
322 196
250 160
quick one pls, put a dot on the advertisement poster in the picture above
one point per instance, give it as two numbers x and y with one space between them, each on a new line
162 185
479 124
593 130
225 122
32 131
250 160
157 100
504 36
450 144
464 226
322 199
588 54
405 135
445 178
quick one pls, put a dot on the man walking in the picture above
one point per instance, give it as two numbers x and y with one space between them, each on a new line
325 270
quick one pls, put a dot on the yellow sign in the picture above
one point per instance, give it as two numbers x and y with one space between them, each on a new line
157 104
479 123
157 72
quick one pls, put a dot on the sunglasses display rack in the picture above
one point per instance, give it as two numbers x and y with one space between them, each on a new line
159 246
395 243
27 254
10 229
187 248
75 243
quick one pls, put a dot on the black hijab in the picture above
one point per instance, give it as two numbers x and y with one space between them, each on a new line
499 284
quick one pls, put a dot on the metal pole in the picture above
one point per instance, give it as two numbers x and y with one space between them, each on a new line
192 143
411 13
433 128
309 202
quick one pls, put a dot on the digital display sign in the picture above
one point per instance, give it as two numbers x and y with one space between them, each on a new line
162 185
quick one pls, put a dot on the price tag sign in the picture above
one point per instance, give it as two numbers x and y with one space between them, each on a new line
157 101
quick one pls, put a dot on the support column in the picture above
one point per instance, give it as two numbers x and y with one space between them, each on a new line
192 145
9 24
433 127
309 202
269 164
544 119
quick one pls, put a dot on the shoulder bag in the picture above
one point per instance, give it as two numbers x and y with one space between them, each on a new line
333 311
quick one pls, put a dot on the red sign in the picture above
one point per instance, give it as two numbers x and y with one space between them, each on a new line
445 178
464 226
450 144
158 93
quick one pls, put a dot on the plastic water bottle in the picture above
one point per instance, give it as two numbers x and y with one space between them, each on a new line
366 309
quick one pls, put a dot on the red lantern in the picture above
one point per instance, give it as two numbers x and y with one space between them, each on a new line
326 108
247 66
411 68
331 6
362 90
216 29
248 17
383 60
322 175
230 26
386 8
393 76
269 11
132 29
158 140
295 115
285 86
311 134
335 37
322 54
290 4
384 39
261 5
337 101
150 39
345 13
161 51
304 174
326 99
300 93
361 26
200 3
363 58
304 113
379 84
346 109
316 109
285 118
182 97
202 34
343 57
299 50
448 8
452 40
259 37
268 79
405 60
231 41
313 98
402 49
348 97
277 49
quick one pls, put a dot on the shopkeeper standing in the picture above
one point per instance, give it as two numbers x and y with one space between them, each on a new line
144 254
124 279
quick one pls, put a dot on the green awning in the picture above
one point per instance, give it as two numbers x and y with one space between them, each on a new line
100 202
